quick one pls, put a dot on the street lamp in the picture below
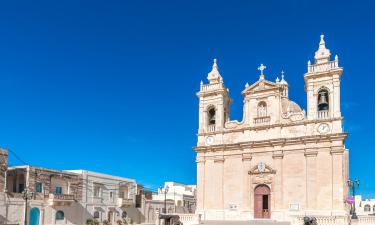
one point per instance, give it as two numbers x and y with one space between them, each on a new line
165 198
26 195
352 184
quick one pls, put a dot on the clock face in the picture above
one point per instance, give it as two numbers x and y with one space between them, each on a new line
209 140
323 128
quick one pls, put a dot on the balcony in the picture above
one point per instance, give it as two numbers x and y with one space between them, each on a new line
60 199
125 202
264 120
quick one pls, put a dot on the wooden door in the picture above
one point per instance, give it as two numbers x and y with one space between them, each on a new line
262 200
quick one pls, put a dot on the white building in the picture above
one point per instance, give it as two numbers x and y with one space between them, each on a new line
364 206
107 197
184 196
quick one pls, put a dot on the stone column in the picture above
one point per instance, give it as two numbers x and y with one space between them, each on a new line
338 177
336 96
246 187
311 178
200 183
278 181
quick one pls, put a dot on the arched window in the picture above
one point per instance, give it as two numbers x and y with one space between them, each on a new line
211 116
96 214
323 100
60 215
262 109
367 208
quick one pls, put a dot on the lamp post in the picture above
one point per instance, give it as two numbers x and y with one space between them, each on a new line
165 199
352 184
26 195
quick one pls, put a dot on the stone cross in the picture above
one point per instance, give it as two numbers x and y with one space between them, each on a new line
261 68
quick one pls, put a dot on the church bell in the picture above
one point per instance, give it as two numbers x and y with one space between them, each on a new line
322 102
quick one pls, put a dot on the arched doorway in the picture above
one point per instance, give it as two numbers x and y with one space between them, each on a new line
262 201
34 216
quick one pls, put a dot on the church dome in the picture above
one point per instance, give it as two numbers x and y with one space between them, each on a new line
289 106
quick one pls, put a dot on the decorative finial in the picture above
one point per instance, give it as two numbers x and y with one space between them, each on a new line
214 65
246 85
214 76
282 78
322 39
261 68
336 58
309 62
201 82
277 79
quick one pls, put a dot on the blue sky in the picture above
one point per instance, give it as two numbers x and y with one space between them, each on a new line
110 86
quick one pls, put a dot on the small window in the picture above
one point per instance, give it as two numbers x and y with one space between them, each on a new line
38 187
97 190
58 190
367 208
262 109
96 214
111 196
60 215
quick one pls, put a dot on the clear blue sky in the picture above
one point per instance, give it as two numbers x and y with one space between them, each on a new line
110 86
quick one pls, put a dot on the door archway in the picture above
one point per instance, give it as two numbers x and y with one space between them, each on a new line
262 201
34 216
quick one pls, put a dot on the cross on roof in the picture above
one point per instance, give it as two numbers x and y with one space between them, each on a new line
261 68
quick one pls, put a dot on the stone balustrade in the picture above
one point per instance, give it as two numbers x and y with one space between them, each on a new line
64 197
366 220
264 120
322 67
211 87
324 114
324 220
190 219
211 128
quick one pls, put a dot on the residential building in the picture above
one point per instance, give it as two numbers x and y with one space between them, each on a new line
107 197
54 196
364 206
184 196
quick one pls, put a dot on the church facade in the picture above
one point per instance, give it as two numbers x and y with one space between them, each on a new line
280 161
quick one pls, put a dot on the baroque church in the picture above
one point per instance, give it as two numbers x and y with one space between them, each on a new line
280 161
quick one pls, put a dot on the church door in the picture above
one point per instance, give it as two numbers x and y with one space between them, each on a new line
262 200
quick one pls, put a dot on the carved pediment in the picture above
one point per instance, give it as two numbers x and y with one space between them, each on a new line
260 85
262 168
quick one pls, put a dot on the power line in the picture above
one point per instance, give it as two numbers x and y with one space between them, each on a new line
17 157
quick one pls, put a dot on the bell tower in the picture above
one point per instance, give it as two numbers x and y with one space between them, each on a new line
322 84
214 102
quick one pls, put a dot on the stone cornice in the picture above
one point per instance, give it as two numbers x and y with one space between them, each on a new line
265 127
273 142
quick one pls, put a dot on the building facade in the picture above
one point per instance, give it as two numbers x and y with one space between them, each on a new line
280 161
184 196
107 197
54 196
364 207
